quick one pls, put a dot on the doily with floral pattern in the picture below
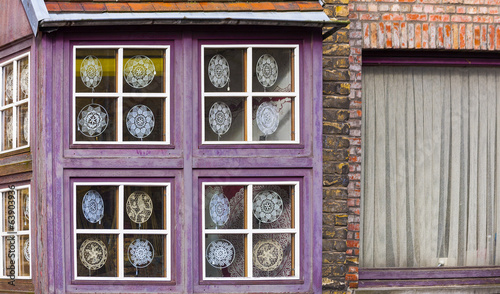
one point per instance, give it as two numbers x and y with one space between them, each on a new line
26 128
25 80
220 118
139 207
92 120
219 209
9 87
8 133
93 206
267 118
26 211
267 255
139 71
140 121
93 254
27 250
267 70
218 71
91 71
140 253
267 206
220 253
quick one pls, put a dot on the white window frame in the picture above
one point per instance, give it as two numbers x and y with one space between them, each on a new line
120 231
17 233
16 103
249 231
119 95
248 95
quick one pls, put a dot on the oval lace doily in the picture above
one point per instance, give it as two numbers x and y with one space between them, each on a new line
92 120
139 207
267 206
220 118
140 253
9 87
218 71
27 250
219 209
93 254
26 128
93 206
139 71
267 118
25 80
267 70
26 211
91 71
220 253
140 121
267 255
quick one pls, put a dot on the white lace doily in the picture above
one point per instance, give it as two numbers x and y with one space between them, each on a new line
93 206
219 209
267 206
140 121
26 211
91 71
267 118
25 80
8 134
26 128
93 254
218 71
139 207
27 250
220 118
267 70
139 71
220 253
9 87
140 253
267 255
92 120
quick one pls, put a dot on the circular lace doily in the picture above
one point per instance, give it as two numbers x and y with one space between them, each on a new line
219 208
27 250
25 80
93 206
139 207
140 121
139 71
220 253
26 128
267 70
140 253
267 206
267 255
93 254
218 71
26 211
92 120
267 118
91 71
9 87
220 118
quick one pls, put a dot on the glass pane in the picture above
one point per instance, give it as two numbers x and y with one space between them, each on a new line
145 207
225 255
225 70
95 70
24 256
143 119
10 254
96 207
22 125
96 255
144 70
272 70
9 209
95 119
273 207
224 119
225 207
23 79
7 116
273 255
273 119
23 198
145 255
8 84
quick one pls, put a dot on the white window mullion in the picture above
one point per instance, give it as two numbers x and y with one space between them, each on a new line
249 98
119 101
120 262
14 108
249 244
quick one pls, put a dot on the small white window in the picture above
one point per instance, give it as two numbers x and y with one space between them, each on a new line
122 231
14 106
250 230
121 95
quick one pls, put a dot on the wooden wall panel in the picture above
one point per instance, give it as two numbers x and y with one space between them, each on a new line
14 23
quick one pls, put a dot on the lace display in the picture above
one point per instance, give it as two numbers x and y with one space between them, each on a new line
93 254
267 118
93 206
25 80
26 211
25 128
218 71
92 120
267 255
267 70
220 118
9 87
219 209
27 250
139 71
267 206
91 71
139 207
140 121
220 253
140 253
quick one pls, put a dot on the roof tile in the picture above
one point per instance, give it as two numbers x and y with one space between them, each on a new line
118 7
263 6
189 6
145 7
53 7
286 6
238 6
70 6
309 6
165 6
213 6
93 7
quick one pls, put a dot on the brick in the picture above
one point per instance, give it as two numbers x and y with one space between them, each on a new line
336 75
411 35
462 36
335 115
373 35
484 37
334 180
336 270
469 36
432 35
439 18
392 16
336 102
341 11
352 243
477 37
336 284
395 35
336 50
483 19
381 35
461 18
461 9
404 35
455 37
447 36
369 16
332 232
334 193
333 205
498 37
418 36
388 38
351 277
334 257
336 1
425 35
416 16
440 36
353 227
335 155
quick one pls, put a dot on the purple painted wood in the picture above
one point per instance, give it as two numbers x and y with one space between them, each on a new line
13 31
428 282
429 61
427 273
